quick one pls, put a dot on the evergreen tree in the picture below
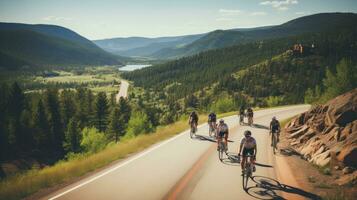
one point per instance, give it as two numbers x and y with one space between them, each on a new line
41 130
101 111
115 128
125 113
15 106
55 122
68 108
72 136
344 80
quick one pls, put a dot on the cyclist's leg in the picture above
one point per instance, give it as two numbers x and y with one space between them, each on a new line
226 140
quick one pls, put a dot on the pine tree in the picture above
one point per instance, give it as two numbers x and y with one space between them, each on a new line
42 135
115 128
55 122
101 111
125 113
68 108
72 136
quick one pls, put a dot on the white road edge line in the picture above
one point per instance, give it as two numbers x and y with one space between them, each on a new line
121 164
126 162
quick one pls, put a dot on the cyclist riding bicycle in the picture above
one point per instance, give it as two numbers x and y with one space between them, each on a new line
241 115
193 119
250 115
212 118
223 132
249 147
275 128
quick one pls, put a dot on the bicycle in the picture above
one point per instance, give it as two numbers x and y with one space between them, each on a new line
274 140
193 129
248 172
212 129
250 120
221 149
241 119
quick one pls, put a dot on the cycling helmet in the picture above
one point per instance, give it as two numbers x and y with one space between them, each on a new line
247 132
221 121
274 118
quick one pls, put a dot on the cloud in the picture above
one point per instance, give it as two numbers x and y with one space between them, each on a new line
258 13
229 12
279 5
300 13
56 18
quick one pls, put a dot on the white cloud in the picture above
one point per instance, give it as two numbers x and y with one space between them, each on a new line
300 13
280 5
258 13
229 12
56 18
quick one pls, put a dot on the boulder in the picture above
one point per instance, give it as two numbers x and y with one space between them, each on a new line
348 155
347 170
349 179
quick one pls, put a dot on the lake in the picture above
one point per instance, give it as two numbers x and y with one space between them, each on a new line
133 67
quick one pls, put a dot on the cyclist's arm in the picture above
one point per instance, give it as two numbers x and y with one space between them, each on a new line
240 148
255 150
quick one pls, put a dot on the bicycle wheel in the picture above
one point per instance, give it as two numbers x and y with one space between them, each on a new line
274 142
191 132
220 152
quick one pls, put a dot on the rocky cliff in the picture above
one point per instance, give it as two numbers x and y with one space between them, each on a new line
327 133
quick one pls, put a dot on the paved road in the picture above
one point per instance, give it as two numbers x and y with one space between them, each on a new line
184 168
123 90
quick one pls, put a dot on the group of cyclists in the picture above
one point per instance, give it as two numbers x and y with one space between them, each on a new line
248 145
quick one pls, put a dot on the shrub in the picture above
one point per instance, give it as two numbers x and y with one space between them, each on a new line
93 140
222 105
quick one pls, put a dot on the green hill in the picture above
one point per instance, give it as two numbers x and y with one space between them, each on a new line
24 45
218 39
292 75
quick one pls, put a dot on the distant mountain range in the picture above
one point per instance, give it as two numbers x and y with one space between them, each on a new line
261 66
176 47
48 46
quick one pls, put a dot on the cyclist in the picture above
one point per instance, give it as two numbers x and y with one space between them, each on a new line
250 115
212 118
249 147
274 129
241 115
223 132
193 120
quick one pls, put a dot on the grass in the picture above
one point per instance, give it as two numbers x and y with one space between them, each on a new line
23 185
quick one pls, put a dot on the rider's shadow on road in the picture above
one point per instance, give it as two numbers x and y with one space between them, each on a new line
260 126
268 188
204 138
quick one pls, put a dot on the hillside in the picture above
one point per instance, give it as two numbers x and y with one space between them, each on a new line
141 46
258 68
217 39
47 46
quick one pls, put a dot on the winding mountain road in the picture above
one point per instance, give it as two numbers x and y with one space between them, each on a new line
185 168
123 90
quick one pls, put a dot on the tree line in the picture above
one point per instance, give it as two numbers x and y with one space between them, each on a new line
48 126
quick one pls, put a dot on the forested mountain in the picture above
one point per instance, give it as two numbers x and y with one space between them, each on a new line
141 46
221 38
47 46
270 68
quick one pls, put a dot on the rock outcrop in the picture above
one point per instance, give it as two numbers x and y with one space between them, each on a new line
327 132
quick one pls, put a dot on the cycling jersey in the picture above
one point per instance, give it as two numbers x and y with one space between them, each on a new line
212 117
275 125
194 118
222 129
248 143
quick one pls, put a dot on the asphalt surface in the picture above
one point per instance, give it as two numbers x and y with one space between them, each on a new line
185 168
123 90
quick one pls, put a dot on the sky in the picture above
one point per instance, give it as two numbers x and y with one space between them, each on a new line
99 19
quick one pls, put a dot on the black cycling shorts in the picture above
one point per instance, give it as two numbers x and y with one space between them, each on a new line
221 134
247 152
